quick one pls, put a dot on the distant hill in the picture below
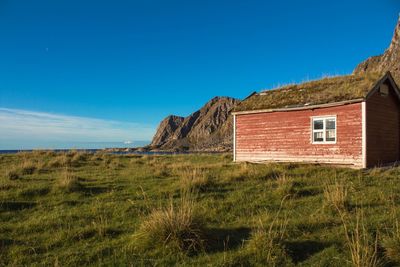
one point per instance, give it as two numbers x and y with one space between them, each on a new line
388 61
209 128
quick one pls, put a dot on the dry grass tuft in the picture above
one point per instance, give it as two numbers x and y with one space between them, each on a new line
161 171
391 244
68 182
285 185
246 171
176 226
336 195
61 160
363 248
265 244
27 168
195 179
114 164
12 174
78 158
242 172
269 171
96 157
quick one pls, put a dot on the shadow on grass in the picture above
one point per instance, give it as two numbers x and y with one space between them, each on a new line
34 179
90 233
86 188
4 243
217 192
354 206
71 203
222 188
34 192
112 232
307 192
16 205
314 226
87 234
93 190
300 251
220 239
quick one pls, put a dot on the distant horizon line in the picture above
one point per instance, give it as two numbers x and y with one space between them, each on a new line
65 145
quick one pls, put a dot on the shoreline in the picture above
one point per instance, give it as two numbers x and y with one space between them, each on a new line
138 151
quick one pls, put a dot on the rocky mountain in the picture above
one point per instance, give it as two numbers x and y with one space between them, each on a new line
166 129
209 128
388 61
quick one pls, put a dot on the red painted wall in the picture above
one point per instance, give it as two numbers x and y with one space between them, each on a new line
286 136
383 128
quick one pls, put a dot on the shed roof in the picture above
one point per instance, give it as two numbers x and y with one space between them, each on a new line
324 91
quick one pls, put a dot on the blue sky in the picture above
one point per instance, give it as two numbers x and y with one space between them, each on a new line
119 67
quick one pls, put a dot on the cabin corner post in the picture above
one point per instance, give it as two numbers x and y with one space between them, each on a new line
364 133
234 137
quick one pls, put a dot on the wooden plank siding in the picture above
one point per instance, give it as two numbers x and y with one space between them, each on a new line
286 136
383 126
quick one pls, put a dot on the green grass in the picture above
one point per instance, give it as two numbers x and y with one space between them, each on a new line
73 209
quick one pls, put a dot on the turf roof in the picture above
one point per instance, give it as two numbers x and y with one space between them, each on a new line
327 90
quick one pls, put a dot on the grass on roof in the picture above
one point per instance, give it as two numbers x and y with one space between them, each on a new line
326 90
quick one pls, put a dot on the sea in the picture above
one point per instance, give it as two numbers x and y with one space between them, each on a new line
66 146
91 147
13 151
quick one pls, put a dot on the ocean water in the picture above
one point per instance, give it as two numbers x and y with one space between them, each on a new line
13 151
71 145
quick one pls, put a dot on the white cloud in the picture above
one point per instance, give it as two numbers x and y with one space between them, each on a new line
16 124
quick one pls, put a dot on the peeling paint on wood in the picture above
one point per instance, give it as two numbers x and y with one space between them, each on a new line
286 136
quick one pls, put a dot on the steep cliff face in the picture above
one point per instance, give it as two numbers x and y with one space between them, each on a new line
166 129
388 61
209 128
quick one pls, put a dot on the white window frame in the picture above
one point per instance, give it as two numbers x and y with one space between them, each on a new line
323 130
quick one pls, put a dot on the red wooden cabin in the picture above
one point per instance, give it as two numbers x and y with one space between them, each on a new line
349 120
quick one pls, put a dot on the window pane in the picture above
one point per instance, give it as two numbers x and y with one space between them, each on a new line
330 135
330 124
318 124
318 137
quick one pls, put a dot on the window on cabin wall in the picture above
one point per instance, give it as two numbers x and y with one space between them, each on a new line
323 130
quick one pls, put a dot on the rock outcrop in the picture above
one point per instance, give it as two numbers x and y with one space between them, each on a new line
166 129
388 61
209 128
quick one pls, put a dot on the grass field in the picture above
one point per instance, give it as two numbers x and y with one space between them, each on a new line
73 209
